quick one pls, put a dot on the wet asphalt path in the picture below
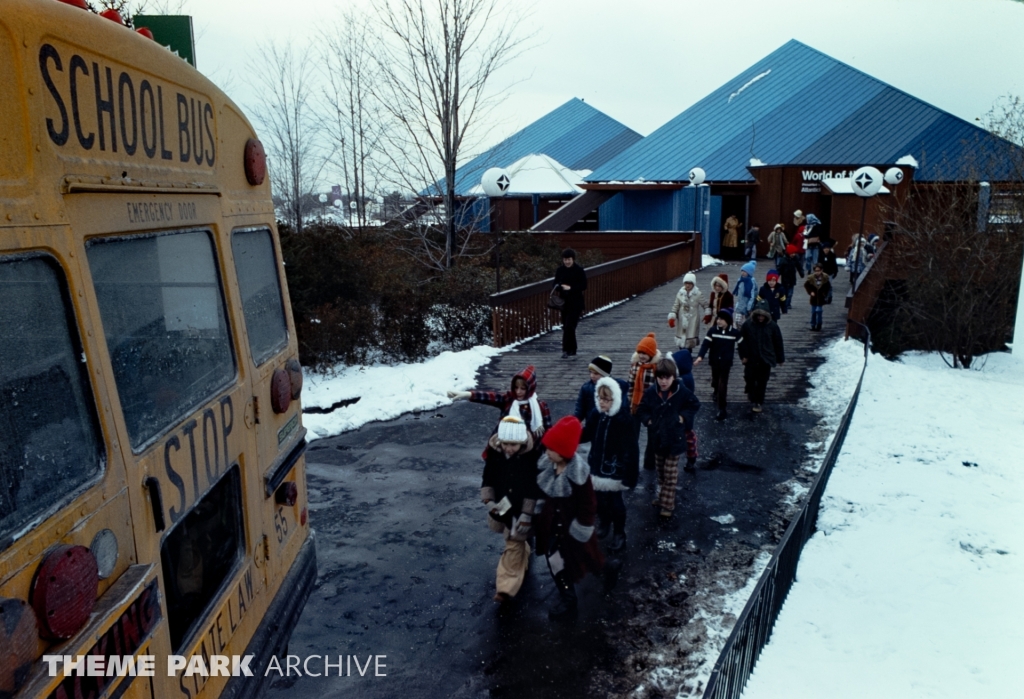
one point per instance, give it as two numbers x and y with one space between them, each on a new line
406 562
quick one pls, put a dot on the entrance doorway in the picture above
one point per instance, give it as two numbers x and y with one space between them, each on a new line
735 214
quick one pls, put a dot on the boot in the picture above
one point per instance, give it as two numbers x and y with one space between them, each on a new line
610 574
721 415
603 529
691 464
618 541
565 610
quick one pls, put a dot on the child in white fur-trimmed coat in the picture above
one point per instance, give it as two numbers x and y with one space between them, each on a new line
687 310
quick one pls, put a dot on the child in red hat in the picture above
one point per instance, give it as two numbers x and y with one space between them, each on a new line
565 525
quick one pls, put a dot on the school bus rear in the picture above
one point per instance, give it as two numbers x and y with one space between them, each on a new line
152 483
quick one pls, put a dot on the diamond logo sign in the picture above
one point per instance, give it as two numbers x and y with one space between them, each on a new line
866 181
504 183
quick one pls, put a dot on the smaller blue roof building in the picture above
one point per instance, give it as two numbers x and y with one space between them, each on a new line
576 135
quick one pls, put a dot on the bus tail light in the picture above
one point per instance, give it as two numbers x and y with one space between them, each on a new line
303 516
255 162
81 4
287 493
64 591
294 370
18 639
280 391
145 31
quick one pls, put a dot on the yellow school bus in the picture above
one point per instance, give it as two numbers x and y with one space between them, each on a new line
152 479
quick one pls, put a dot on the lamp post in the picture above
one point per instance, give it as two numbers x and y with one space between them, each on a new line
323 207
697 176
496 183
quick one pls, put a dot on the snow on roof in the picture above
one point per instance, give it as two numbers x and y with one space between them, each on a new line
908 160
539 174
756 162
748 84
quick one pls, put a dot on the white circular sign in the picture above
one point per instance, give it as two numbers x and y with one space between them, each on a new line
495 182
352 205
866 181
337 203
323 198
893 176
697 176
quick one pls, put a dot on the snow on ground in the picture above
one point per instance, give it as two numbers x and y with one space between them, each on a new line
709 261
911 588
386 392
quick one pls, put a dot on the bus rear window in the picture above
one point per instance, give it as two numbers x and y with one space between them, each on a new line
163 316
50 443
261 293
200 553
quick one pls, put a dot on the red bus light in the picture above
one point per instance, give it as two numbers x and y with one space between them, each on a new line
81 4
113 16
294 370
255 162
64 591
280 391
145 32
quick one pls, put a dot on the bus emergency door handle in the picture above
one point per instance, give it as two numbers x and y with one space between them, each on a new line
153 486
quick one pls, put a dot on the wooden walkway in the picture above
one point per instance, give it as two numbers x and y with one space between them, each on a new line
616 331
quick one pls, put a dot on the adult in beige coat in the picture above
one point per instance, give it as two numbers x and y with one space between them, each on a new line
686 313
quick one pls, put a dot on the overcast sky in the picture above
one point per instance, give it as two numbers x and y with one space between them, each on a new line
644 61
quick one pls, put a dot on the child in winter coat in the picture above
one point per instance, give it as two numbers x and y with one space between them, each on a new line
720 298
565 523
814 231
668 410
760 349
686 312
641 377
774 294
857 256
509 490
684 363
744 293
752 241
614 459
721 341
788 270
520 400
777 243
829 265
599 368
819 287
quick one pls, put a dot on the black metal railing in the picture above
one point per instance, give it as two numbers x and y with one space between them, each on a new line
754 626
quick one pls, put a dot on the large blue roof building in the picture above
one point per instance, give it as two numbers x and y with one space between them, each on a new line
778 137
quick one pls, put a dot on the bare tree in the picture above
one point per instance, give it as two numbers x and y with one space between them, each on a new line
437 61
354 119
283 79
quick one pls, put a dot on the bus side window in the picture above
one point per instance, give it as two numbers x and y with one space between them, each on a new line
50 443
163 316
256 268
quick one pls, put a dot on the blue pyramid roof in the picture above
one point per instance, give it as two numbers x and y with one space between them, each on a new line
798 106
575 134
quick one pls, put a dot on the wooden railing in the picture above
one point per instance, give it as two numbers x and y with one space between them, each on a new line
522 312
864 292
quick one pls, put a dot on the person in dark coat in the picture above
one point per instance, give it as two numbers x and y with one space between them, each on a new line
668 409
521 400
571 279
599 367
773 294
509 490
684 363
819 288
567 511
614 459
789 268
752 241
760 350
720 342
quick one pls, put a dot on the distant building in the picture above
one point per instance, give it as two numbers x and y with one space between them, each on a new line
785 134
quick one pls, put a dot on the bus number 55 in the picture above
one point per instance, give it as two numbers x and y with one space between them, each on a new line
280 525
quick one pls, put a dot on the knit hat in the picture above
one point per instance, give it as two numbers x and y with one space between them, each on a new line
690 277
726 315
723 279
648 345
602 365
512 429
750 267
792 250
564 437
798 214
772 274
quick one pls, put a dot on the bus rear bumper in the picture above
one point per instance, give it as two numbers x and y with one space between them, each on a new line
271 638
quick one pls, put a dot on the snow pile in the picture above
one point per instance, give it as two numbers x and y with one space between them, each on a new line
912 586
709 261
385 392
908 160
832 385
757 162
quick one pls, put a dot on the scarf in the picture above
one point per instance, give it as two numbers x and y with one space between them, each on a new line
536 419
638 386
